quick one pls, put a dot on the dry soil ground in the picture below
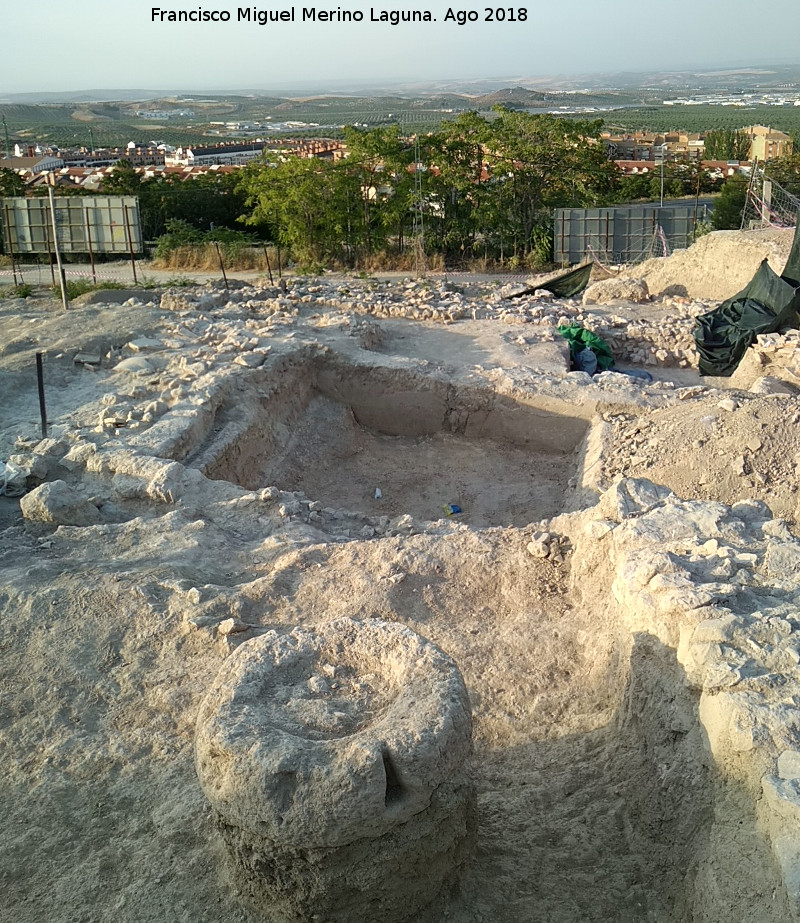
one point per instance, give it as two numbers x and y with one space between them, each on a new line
598 796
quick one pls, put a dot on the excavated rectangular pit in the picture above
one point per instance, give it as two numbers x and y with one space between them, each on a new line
385 441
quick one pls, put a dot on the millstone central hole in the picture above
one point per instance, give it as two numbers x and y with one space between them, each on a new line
394 788
390 442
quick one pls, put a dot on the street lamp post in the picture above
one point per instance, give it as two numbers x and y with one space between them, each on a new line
663 155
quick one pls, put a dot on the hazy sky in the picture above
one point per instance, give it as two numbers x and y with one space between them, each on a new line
99 44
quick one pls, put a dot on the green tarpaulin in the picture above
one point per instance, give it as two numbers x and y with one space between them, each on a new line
568 285
791 271
580 338
769 302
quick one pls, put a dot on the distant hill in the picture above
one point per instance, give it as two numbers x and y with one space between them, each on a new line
80 96
514 96
539 87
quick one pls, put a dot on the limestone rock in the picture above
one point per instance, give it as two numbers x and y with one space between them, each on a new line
35 465
57 502
333 758
78 455
607 291
177 301
782 558
326 767
789 765
630 497
787 852
136 364
783 796
769 384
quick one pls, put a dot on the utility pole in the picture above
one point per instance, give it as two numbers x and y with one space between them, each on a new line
419 222
51 181
8 145
663 155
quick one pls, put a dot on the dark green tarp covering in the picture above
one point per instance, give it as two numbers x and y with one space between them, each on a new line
769 302
569 285
580 338
791 271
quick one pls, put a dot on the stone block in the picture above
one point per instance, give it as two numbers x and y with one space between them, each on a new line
58 503
334 757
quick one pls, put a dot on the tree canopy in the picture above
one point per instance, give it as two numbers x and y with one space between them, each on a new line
11 184
786 172
727 214
482 186
726 144
205 201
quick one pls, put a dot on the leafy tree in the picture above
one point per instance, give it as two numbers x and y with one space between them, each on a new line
685 177
493 183
123 180
726 144
206 201
688 177
457 199
312 207
11 183
380 162
342 211
489 184
180 233
634 186
728 208
786 172
540 163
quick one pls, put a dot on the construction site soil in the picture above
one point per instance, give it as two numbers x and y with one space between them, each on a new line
611 562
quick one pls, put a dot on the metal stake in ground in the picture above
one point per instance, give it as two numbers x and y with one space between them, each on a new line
221 264
269 268
51 179
40 379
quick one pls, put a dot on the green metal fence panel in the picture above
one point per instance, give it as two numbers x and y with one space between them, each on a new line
626 234
84 224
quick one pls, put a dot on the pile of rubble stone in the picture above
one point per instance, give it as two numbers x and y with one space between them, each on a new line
667 342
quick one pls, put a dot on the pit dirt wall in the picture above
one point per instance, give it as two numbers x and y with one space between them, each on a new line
254 419
705 731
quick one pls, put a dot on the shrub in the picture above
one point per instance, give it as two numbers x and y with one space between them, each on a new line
184 247
23 290
77 287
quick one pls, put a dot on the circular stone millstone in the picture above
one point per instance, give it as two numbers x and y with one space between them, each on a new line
326 735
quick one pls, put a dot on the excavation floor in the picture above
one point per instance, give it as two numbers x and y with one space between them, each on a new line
334 460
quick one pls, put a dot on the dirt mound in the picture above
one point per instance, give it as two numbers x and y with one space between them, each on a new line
728 450
717 265
608 291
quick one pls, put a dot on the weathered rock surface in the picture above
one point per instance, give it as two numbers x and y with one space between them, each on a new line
57 502
717 585
636 731
333 759
608 291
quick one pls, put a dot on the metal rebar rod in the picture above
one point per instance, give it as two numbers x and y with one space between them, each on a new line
40 379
